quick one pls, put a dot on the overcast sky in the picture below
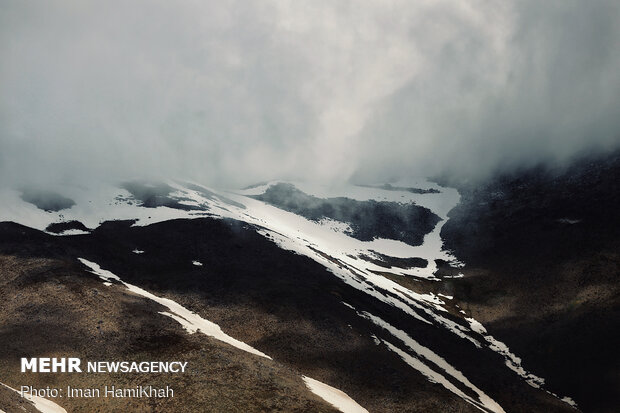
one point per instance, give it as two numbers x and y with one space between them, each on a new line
235 92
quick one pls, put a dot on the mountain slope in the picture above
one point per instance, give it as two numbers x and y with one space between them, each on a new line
542 248
351 313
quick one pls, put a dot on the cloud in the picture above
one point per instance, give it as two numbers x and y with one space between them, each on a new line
233 92
543 87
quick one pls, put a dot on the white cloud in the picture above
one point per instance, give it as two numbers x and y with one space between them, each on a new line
232 92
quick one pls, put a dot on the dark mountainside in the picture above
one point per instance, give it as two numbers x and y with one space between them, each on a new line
542 249
286 305
154 195
60 227
542 267
390 187
368 219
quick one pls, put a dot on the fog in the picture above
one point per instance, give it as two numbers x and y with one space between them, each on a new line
230 93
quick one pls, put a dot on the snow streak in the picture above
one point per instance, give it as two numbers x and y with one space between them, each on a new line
192 322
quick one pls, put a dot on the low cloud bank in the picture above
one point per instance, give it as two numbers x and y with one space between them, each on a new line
234 92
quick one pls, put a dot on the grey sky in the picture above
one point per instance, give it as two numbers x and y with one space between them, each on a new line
233 92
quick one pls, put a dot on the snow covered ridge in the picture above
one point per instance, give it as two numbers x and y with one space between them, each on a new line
356 262
152 203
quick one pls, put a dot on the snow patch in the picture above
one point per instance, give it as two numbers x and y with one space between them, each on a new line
569 401
69 232
439 202
192 322
333 396
41 404
334 225
484 402
569 221
431 375
512 361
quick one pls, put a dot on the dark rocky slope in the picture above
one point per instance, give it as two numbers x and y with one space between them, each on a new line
286 305
368 219
542 249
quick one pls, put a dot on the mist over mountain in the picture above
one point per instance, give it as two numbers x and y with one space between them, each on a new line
231 93
316 206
